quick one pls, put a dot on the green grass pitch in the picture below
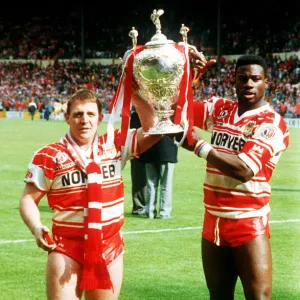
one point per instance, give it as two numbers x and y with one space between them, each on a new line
162 257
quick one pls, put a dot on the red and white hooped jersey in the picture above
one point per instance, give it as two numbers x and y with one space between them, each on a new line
258 137
53 170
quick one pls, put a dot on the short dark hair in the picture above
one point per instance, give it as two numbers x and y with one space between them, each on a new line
86 96
251 59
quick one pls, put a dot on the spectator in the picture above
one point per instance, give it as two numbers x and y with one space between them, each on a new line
298 110
160 163
48 110
138 174
32 107
282 108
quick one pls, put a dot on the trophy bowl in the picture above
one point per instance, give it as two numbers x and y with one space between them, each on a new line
158 71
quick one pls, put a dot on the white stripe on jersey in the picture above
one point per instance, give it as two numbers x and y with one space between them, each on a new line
95 178
254 158
112 212
108 213
97 205
71 225
241 215
106 186
105 223
108 205
68 216
95 226
113 221
229 208
237 193
226 182
249 162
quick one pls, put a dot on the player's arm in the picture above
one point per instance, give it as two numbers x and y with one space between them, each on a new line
228 164
31 215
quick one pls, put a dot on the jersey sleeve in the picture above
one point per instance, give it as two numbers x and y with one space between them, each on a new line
203 112
40 170
130 149
265 146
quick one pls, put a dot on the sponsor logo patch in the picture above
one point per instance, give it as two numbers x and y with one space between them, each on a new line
269 133
60 157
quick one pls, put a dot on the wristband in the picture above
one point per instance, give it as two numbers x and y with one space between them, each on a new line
202 149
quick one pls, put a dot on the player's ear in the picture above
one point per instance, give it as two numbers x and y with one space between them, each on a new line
100 118
266 83
67 117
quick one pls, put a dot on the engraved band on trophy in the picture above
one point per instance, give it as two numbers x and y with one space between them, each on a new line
158 70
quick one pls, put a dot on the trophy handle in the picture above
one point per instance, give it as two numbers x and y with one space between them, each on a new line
184 32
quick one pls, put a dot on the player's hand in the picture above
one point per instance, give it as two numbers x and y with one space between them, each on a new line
195 136
198 60
43 239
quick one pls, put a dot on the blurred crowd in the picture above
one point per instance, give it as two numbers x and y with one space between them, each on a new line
48 37
56 38
283 91
22 83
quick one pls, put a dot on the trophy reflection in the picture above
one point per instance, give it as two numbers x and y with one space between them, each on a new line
158 71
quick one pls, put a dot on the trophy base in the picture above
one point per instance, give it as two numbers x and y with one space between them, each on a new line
164 127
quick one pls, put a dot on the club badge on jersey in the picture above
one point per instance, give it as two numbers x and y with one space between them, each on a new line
248 128
109 151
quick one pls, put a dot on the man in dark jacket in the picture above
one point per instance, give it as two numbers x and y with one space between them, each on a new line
160 163
138 174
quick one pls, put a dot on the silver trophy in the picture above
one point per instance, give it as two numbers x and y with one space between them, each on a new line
158 71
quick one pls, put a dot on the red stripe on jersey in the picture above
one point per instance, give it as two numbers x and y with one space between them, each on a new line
259 134
66 185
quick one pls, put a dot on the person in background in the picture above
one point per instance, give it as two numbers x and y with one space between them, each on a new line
57 109
40 106
248 138
48 110
32 107
160 164
298 110
81 177
282 108
138 173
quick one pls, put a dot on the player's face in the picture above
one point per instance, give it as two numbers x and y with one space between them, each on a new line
83 120
250 86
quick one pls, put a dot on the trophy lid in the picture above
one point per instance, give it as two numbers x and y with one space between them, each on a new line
159 38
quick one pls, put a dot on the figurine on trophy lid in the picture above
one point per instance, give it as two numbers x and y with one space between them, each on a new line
158 71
